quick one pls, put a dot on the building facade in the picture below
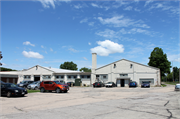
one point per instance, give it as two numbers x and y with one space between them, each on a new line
123 71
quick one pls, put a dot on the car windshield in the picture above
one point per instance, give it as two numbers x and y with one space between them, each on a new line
109 82
145 82
57 82
11 85
34 83
177 86
23 82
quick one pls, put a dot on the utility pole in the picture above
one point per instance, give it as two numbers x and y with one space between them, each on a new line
172 72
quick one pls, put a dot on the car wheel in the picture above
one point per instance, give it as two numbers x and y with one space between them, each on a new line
65 91
36 88
22 95
9 94
42 90
58 90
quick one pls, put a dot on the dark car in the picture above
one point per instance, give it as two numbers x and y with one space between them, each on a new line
2 82
145 84
53 86
24 84
110 84
70 84
133 84
98 84
10 89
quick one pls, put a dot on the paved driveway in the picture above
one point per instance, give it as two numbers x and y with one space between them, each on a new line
98 103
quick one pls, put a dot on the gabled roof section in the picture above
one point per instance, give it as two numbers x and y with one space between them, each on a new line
128 61
56 70
38 66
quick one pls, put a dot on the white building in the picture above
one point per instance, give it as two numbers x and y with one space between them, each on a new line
120 72
123 71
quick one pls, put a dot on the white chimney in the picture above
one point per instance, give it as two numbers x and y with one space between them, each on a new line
94 61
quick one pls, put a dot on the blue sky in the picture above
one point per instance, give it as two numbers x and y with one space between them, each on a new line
51 32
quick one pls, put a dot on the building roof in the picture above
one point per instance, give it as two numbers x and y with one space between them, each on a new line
128 61
56 70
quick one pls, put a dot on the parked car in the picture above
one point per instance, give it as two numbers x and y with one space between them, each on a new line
62 82
2 82
70 84
177 87
98 84
10 89
110 84
35 85
53 86
133 84
24 84
145 84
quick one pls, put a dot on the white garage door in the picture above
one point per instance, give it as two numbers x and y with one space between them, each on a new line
151 80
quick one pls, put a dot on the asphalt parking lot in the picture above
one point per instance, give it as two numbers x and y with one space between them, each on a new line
95 103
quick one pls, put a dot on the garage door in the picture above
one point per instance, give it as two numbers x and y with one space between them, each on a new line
151 80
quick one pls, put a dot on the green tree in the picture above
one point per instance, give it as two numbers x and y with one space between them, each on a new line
6 69
85 69
159 60
176 73
169 77
69 65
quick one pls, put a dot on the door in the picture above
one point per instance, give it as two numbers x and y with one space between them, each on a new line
122 82
51 86
3 90
118 82
36 78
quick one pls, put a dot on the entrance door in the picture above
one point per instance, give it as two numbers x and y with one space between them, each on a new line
36 78
122 82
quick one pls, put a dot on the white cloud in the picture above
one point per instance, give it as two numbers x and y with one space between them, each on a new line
47 3
91 23
51 49
89 43
128 8
84 20
78 6
120 21
85 58
107 47
94 5
73 50
111 34
28 43
174 57
147 2
42 46
165 7
31 54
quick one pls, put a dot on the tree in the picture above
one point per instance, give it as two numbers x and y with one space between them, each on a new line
169 77
85 69
69 65
175 73
7 69
159 60
1 57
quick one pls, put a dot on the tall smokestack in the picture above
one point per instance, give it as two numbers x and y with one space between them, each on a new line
94 61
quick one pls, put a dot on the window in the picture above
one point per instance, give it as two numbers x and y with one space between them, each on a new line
104 77
131 65
46 76
88 76
62 77
27 76
46 82
57 77
97 76
114 65
75 77
123 75
69 77
82 76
